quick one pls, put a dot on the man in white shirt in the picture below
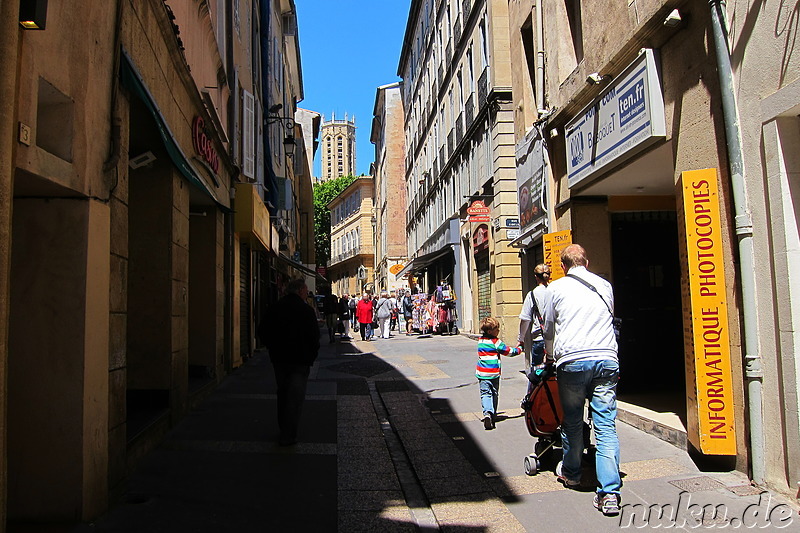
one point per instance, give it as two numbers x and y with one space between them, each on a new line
579 332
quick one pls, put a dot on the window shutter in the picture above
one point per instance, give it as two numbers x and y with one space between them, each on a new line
248 130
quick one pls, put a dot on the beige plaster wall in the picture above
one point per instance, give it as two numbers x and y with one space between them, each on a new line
693 123
767 69
58 360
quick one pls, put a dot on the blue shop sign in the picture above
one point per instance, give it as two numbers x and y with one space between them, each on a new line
627 117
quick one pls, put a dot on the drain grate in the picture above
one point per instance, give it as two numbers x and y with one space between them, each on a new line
697 484
745 490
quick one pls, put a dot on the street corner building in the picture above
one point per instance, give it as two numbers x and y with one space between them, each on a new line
460 173
659 137
127 283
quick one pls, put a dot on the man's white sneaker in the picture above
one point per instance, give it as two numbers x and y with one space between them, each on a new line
608 504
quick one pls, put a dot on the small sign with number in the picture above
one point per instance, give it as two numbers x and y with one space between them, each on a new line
24 134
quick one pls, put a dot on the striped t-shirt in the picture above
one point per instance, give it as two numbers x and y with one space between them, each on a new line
489 352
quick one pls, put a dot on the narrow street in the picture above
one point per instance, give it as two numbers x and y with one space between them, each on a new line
392 440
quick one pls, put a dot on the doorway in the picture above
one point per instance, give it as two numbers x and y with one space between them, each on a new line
647 290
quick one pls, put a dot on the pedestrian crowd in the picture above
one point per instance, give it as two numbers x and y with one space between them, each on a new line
569 332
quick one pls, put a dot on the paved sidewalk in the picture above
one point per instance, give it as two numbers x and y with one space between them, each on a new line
391 440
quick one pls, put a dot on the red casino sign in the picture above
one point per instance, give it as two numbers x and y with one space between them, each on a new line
203 145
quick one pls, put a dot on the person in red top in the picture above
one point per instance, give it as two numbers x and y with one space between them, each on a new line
365 316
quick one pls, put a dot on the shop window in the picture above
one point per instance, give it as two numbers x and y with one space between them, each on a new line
54 121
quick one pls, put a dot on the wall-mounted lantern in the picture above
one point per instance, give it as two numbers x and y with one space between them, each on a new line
33 14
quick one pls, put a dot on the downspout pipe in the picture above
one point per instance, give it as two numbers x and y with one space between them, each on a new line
744 232
542 109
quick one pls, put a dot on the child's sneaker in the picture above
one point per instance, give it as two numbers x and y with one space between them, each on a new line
608 504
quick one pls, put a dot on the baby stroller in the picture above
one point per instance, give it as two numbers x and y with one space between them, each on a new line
543 416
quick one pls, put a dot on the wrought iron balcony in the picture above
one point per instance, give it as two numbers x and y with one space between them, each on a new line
358 250
450 144
459 129
483 88
469 112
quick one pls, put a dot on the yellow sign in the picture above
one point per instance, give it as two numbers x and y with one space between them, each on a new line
714 432
554 243
251 219
394 269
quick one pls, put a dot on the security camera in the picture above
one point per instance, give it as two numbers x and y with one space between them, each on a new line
673 19
595 78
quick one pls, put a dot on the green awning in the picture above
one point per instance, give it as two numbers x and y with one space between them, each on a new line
132 80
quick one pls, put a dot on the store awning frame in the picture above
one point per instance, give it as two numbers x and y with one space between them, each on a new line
418 263
132 80
302 268
530 235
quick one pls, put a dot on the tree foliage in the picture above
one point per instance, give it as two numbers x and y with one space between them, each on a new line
324 193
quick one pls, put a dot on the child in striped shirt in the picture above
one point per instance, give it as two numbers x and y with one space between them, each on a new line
490 348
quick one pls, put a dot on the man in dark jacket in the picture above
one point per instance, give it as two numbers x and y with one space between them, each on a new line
291 333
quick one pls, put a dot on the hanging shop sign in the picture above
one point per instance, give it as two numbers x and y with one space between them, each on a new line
478 212
203 144
394 269
554 243
531 175
711 427
480 239
251 218
626 118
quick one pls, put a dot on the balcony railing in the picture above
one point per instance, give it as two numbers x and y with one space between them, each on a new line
469 112
459 129
358 250
450 144
457 31
483 88
466 5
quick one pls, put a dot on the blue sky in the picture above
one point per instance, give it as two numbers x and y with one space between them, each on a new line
368 36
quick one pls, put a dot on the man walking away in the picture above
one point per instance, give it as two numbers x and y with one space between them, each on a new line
383 314
291 333
585 351
330 308
408 312
344 316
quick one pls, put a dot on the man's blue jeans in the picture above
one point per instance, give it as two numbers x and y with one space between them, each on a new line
597 382
489 390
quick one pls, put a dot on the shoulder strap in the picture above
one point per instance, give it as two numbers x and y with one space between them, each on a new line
592 288
536 311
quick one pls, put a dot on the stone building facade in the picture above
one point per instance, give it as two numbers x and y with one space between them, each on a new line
456 73
338 142
121 297
388 136
351 269
629 192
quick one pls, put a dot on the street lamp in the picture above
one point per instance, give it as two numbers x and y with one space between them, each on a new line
288 122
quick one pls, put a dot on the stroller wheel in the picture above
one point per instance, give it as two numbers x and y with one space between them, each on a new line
531 465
